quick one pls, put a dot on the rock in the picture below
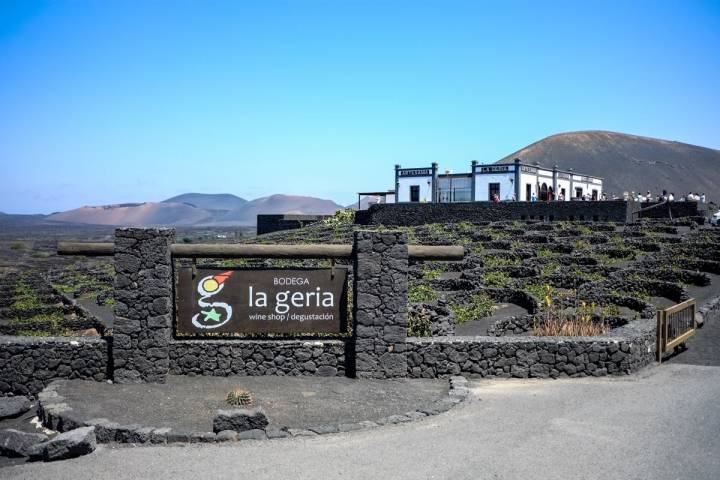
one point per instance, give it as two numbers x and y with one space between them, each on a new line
240 419
254 434
14 443
226 436
74 443
11 407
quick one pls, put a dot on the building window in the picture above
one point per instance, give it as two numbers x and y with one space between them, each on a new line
493 189
528 192
414 193
578 192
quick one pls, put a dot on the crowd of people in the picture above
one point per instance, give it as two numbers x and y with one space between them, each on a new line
665 196
638 197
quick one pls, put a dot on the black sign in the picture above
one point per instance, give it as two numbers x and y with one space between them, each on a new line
495 168
415 172
261 301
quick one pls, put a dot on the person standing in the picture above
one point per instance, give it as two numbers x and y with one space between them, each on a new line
702 198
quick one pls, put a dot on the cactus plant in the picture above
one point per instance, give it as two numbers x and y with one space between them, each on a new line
239 396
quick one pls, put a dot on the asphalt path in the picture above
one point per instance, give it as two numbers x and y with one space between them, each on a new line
662 423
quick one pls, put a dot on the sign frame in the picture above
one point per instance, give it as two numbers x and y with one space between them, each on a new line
289 329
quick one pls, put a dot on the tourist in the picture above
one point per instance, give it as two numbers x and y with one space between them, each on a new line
603 197
533 197
648 196
496 198
671 197
702 198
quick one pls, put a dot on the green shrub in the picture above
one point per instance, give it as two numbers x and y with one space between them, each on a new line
496 279
432 271
421 293
341 218
479 306
17 246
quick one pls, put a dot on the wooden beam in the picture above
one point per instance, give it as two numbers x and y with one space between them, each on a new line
240 250
87 249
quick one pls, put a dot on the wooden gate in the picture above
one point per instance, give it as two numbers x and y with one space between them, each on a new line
674 326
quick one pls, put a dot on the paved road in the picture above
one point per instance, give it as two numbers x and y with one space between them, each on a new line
703 347
661 424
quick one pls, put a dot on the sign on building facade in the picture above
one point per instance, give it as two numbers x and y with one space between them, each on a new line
213 300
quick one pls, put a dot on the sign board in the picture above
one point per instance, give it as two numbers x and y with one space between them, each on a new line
214 300
497 168
415 172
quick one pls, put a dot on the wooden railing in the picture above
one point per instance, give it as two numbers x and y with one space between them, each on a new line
237 250
674 326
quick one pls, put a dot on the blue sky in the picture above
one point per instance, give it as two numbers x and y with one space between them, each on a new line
122 101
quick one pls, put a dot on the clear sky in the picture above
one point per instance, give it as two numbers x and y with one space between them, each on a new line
123 101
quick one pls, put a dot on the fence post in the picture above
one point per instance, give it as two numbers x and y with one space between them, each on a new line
143 304
380 303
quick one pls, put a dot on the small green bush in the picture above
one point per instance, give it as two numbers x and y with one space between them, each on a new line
341 218
421 293
479 306
496 279
433 271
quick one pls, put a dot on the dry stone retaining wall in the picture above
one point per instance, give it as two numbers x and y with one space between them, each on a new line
257 357
28 364
628 349
408 214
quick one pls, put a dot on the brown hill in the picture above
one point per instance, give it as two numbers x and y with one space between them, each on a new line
135 214
629 162
276 204
187 213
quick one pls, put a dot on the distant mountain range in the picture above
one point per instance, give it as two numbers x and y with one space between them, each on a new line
629 162
626 162
189 209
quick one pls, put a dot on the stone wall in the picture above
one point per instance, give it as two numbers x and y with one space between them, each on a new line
628 349
708 312
143 304
409 214
276 223
380 289
677 209
28 364
257 357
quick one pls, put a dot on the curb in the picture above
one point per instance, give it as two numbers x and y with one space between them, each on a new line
57 415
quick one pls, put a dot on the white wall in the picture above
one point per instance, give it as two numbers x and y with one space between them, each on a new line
425 184
526 178
507 188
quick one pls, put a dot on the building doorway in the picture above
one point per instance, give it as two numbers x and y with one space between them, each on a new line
414 193
493 189
594 195
528 192
578 192
544 192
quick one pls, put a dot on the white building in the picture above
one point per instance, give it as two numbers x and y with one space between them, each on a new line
516 181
